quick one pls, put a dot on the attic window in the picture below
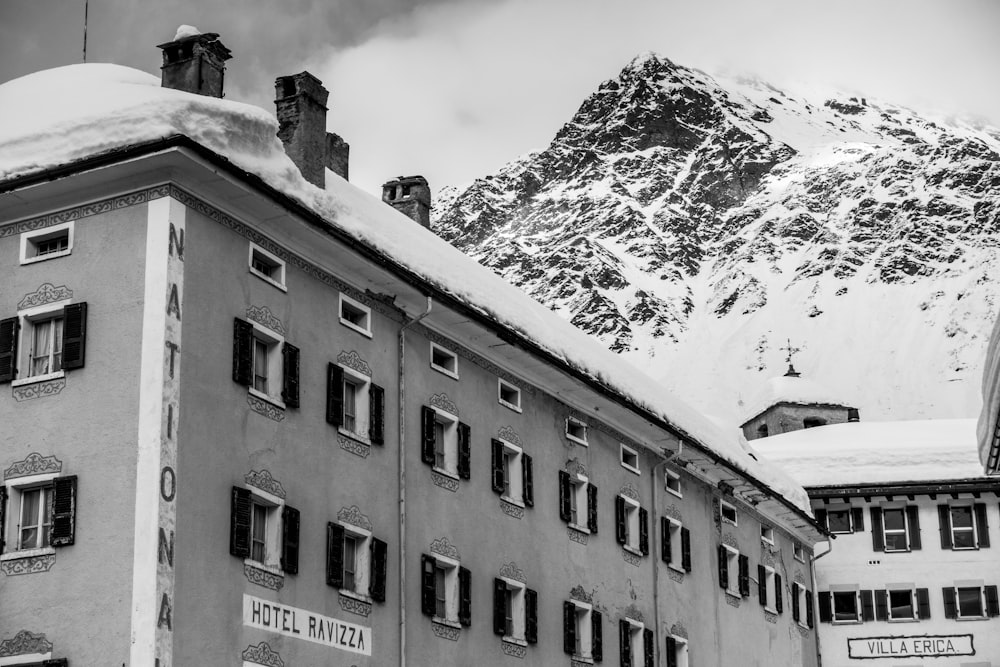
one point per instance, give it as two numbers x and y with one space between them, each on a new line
509 396
355 315
629 458
576 430
811 422
406 190
444 361
267 266
47 243
728 512
762 431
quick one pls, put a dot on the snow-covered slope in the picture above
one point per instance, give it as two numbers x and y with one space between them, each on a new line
694 224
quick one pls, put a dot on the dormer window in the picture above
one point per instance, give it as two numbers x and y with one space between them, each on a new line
47 243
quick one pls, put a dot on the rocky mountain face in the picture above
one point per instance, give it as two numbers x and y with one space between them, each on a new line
695 224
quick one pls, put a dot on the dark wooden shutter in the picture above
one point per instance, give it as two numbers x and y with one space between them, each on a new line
621 530
643 531
241 509
723 567
3 516
809 608
858 516
664 539
825 614
982 526
427 420
868 605
948 594
923 604
625 642
334 394
881 605
527 473
878 537
744 580
992 603
565 488
497 470
464 596
778 593
686 549
795 601
596 636
290 375
944 526
290 540
591 507
671 652
499 607
74 347
242 352
821 517
530 616
569 627
378 574
8 349
62 533
428 601
762 585
464 451
56 662
647 647
334 555
913 524
376 414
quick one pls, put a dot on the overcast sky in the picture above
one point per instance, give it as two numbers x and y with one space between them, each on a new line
453 89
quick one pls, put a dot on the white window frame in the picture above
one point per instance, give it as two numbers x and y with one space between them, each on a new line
676 548
518 616
27 319
636 642
733 570
850 519
362 561
272 537
504 387
576 430
584 631
974 528
672 482
904 588
362 404
275 367
895 531
982 600
769 590
855 595
723 507
578 497
365 328
798 552
12 531
513 473
631 525
680 651
277 263
451 593
626 453
767 534
451 367
30 241
450 444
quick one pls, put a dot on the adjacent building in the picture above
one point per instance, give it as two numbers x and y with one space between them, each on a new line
791 402
988 430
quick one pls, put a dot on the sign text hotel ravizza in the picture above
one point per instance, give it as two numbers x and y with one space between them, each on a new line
927 646
306 625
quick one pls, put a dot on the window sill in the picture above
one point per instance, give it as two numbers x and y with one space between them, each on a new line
632 550
354 595
445 621
268 279
734 594
903 620
444 371
853 621
676 568
27 553
896 551
512 501
514 640
363 439
361 330
509 406
276 402
767 541
583 658
631 469
446 473
579 441
972 618
675 493
580 529
38 378
272 569
42 258
771 610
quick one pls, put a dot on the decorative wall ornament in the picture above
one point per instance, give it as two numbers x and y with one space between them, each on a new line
28 565
675 576
771 617
512 571
25 643
678 630
444 631
510 435
733 601
574 467
353 516
445 482
578 536
798 578
442 547
355 606
33 464
262 577
444 403
263 316
630 558
262 654
630 491
673 512
766 556
716 514
476 359
512 510
38 389
573 662
46 293
634 613
730 539
804 632
262 407
577 593
512 649
353 446
263 480
354 361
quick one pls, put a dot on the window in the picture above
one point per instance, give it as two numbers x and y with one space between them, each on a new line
629 458
576 430
577 502
515 611
970 599
675 544
265 364
767 534
798 553
841 519
845 606
264 530
582 632
672 482
898 602
802 605
509 395
769 589
635 642
40 343
677 651
813 422
964 526
895 529
734 571
355 315
632 525
446 590
355 404
267 266
512 473
762 431
444 361
356 562
900 605
47 243
445 443
727 512
41 511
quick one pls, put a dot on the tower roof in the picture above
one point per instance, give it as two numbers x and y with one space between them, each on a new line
791 388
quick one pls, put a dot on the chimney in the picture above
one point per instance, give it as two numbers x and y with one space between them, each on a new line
853 415
411 196
194 62
337 153
301 107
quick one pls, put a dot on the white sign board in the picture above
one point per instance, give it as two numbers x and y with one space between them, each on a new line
897 647
306 625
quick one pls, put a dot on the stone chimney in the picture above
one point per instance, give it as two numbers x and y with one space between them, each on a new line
853 415
194 62
301 107
411 196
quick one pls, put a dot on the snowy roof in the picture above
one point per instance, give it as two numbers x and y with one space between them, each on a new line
991 406
791 389
107 107
857 453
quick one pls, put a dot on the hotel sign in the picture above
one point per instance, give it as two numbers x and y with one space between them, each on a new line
928 646
306 625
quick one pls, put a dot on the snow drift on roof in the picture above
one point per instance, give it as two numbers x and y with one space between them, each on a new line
789 389
106 107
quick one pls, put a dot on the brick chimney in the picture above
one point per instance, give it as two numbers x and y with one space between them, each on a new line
411 196
300 100
194 62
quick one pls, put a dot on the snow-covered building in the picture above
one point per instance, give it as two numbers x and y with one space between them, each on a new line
988 430
791 402
911 575
253 415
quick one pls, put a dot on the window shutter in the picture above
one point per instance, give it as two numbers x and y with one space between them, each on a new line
723 567
913 523
686 549
528 480
497 465
62 533
55 662
858 516
762 585
949 602
596 636
464 596
878 537
334 555
334 394
821 517
239 523
427 599
464 451
242 352
290 540
8 349
795 601
809 608
427 420
621 531
665 539
643 531
499 607
778 593
290 375
591 507
74 347
671 652
565 488
3 515
648 646
982 526
881 605
868 606
744 578
379 570
992 603
569 627
944 525
923 604
376 414
531 616
825 615
624 642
